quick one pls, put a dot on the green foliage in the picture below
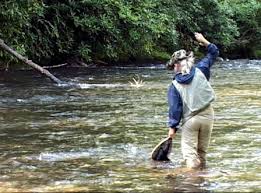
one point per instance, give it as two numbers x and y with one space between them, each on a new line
52 35
257 53
15 16
52 31
247 16
205 16
119 30
84 52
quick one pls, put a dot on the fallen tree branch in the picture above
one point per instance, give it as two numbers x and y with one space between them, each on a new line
28 62
54 66
101 62
82 64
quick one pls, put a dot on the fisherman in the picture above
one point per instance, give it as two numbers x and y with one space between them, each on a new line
189 97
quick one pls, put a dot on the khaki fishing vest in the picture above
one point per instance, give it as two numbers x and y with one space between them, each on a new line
196 96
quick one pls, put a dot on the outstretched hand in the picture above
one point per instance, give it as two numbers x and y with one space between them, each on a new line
201 39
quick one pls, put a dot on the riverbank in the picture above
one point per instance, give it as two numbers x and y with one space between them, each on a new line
101 64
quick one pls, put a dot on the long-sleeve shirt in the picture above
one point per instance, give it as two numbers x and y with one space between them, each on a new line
174 99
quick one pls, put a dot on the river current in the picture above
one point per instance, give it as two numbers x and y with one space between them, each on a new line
98 137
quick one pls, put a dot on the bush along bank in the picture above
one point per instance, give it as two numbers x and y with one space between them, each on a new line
118 31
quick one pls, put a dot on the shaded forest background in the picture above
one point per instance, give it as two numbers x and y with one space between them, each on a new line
124 31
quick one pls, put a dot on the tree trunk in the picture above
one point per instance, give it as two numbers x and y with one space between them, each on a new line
29 62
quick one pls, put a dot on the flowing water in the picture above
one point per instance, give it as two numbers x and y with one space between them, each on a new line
98 138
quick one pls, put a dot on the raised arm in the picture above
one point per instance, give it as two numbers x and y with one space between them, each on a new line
212 53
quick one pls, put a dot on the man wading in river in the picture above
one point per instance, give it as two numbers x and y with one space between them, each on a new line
189 98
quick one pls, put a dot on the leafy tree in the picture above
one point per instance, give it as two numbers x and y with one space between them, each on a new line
247 16
15 16
123 29
53 31
205 16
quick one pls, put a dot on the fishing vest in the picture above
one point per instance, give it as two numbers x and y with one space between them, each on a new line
196 96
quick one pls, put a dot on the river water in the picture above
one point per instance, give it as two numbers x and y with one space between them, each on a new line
98 138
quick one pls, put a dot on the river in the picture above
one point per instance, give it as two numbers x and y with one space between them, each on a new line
98 138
